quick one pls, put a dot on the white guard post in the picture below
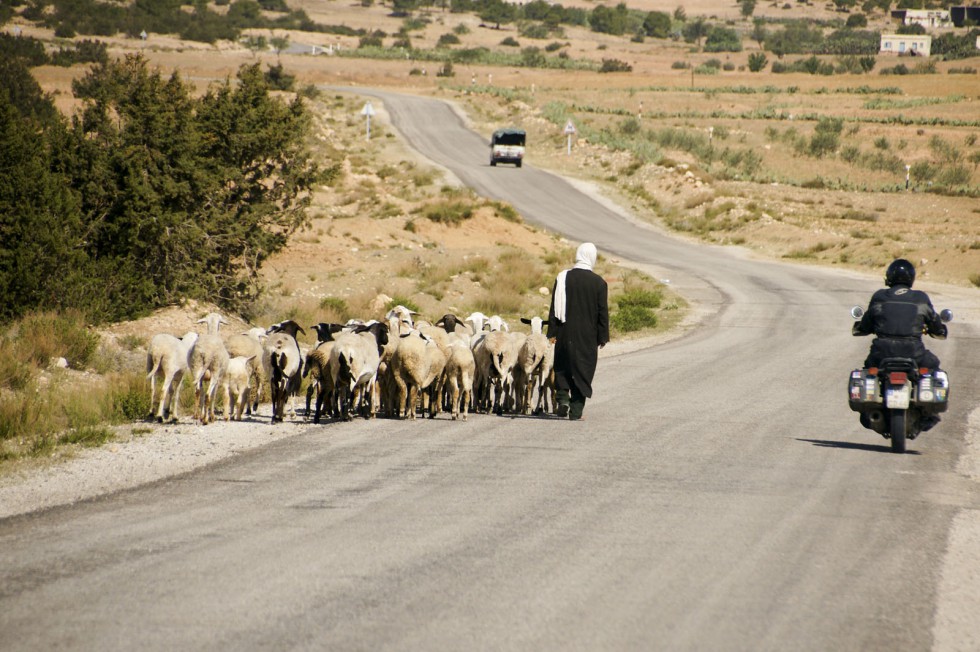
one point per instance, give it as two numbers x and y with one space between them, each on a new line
367 112
569 132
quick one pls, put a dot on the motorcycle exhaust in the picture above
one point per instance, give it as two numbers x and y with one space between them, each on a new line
876 417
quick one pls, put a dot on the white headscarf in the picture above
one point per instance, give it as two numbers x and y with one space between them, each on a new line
585 258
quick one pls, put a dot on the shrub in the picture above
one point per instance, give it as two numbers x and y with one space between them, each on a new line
642 298
511 42
128 398
632 318
447 40
449 212
42 336
446 70
615 65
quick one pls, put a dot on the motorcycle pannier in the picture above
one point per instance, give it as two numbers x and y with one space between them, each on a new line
862 388
933 390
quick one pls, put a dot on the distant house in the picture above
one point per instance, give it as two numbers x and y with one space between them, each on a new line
925 17
912 45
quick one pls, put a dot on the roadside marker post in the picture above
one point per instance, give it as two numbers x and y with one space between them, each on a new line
569 132
367 112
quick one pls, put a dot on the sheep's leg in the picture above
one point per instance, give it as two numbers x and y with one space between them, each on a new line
165 393
153 391
413 396
321 390
228 404
175 395
435 401
465 402
403 394
310 391
453 397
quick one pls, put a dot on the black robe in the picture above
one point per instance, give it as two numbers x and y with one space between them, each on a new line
585 329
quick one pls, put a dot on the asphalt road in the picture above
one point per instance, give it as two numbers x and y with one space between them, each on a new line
719 496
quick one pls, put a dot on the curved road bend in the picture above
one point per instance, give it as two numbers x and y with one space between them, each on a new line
720 495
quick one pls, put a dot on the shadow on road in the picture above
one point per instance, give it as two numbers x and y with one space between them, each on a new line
873 448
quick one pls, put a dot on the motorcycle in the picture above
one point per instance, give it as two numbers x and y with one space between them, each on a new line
897 399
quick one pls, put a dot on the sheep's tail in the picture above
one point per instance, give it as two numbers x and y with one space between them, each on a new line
497 361
152 365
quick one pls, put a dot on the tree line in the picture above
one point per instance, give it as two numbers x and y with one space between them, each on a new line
148 194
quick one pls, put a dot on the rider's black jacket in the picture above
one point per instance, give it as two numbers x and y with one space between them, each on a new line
898 316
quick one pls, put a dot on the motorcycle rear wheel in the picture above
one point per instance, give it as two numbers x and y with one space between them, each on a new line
897 426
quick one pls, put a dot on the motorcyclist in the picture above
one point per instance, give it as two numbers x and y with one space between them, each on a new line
898 316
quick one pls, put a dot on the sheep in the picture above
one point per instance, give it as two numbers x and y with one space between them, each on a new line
236 385
530 359
501 350
286 360
354 360
548 389
460 368
316 368
401 314
167 356
435 357
208 357
249 345
409 367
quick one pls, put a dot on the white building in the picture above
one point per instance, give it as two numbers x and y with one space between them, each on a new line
928 17
913 45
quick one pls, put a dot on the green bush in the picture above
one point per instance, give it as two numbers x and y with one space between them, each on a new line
641 298
631 318
128 398
615 65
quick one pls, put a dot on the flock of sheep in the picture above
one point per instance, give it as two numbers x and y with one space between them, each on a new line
394 368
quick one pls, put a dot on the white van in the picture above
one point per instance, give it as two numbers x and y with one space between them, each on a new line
507 146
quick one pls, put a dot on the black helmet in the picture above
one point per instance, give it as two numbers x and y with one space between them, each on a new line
900 272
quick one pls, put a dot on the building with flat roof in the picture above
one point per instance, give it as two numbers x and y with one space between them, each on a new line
912 45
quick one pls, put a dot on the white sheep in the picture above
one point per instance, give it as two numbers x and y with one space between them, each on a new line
249 345
460 369
286 360
409 367
316 368
236 385
208 358
354 360
498 354
530 359
167 356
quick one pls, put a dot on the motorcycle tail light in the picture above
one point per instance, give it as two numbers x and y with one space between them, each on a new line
897 377
872 371
923 371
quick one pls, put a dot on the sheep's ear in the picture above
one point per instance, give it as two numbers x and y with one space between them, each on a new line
441 322
525 320
222 320
202 321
